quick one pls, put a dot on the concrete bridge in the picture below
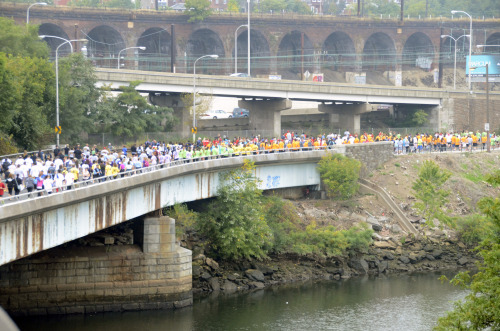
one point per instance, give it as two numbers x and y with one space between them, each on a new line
154 274
344 103
283 45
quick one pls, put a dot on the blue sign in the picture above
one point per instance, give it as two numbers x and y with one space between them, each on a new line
478 66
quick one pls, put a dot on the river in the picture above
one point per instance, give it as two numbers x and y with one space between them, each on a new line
397 302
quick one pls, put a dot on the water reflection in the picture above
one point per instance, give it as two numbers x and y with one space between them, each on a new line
404 302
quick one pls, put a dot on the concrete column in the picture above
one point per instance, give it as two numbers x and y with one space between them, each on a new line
159 235
265 114
345 116
181 112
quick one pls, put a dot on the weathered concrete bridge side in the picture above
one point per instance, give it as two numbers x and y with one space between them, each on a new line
59 280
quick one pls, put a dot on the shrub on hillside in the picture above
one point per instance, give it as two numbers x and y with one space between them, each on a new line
340 175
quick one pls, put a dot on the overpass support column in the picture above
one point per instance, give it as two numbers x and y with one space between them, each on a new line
181 112
345 116
265 114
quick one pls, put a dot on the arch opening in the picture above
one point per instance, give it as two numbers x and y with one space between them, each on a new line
259 53
418 52
157 55
295 55
50 29
338 56
205 42
105 43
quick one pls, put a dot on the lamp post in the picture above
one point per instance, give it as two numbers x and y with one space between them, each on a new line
119 53
248 46
236 48
29 7
455 62
213 56
57 83
470 41
43 36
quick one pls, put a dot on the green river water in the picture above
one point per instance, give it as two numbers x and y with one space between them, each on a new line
399 302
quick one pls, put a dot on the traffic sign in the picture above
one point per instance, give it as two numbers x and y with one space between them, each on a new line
57 129
194 130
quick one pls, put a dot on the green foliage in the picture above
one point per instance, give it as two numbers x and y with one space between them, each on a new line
130 114
276 6
473 229
297 6
480 310
340 175
419 118
329 242
233 6
185 219
78 97
127 4
282 218
17 40
6 145
235 224
197 10
429 192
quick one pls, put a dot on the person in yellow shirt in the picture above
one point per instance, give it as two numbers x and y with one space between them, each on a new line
74 171
296 145
115 170
107 170
281 146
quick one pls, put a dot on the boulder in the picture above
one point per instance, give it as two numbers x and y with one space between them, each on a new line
437 253
384 245
382 266
229 286
463 260
429 257
254 274
257 285
388 256
205 276
359 264
212 264
396 228
232 277
213 283
377 227
264 268
404 259
196 270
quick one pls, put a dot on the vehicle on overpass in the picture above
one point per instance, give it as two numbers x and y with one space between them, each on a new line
240 112
215 114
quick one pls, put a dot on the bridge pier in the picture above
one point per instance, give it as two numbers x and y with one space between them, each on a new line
345 116
265 114
102 278
174 101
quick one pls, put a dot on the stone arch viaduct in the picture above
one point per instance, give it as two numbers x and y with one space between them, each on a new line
281 45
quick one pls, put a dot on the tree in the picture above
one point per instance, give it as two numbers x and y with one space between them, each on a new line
127 4
129 113
233 6
78 97
419 118
235 224
340 175
275 6
198 10
203 105
18 40
428 190
297 6
7 95
480 310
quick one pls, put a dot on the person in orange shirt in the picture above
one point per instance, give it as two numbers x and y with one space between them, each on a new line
281 146
296 144
316 144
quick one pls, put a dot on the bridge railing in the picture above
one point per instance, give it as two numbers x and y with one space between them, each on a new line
83 184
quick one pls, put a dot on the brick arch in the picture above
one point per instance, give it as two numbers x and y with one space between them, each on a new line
156 56
50 29
289 62
339 52
493 39
418 51
104 44
204 42
379 53
259 52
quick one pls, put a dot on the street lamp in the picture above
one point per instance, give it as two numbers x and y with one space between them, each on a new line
213 56
57 83
139 47
236 48
248 46
455 62
470 41
29 7
43 36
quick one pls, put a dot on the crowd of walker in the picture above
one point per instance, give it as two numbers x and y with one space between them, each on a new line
47 173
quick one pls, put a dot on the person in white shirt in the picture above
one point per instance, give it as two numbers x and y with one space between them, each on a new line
69 180
48 184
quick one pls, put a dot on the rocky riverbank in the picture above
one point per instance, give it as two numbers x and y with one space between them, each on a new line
439 251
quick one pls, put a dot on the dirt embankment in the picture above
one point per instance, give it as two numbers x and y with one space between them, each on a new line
393 250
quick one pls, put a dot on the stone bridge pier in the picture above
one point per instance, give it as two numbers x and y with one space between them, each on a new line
345 116
174 101
102 278
265 114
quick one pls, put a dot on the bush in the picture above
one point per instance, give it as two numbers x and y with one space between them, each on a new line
235 224
282 218
340 175
185 219
473 229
